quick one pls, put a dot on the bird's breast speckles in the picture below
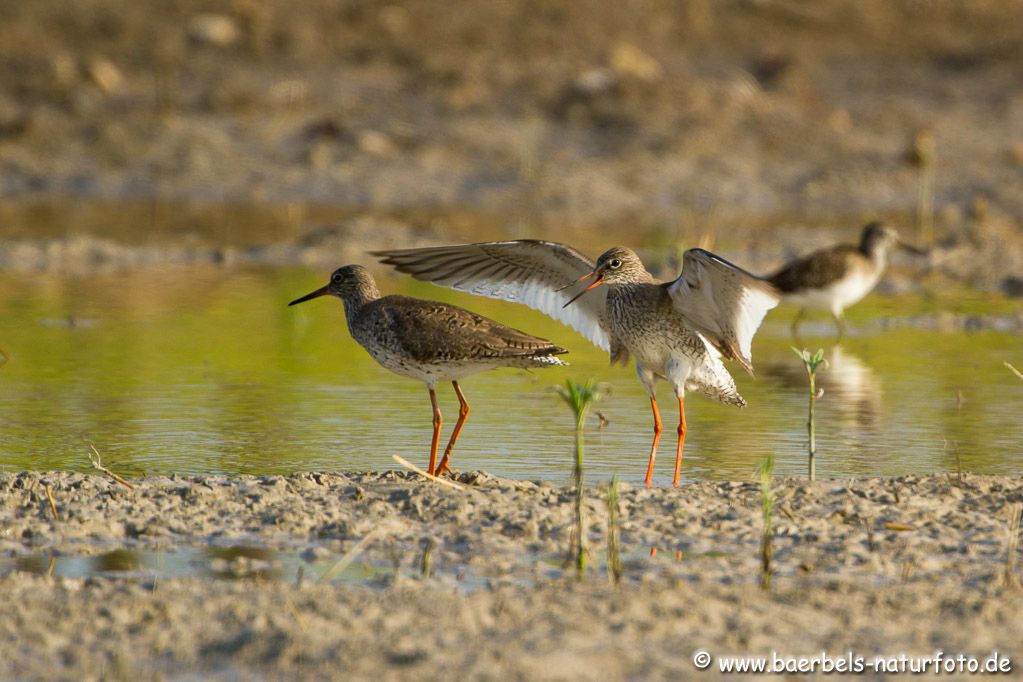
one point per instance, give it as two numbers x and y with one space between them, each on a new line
643 318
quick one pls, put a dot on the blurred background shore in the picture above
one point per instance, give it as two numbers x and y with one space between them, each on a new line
658 123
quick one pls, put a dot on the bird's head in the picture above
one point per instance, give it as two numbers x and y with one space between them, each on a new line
617 265
878 238
347 283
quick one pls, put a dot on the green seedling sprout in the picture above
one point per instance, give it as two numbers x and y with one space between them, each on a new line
614 550
580 397
812 363
766 474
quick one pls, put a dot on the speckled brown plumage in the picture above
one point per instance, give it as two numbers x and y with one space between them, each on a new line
431 341
429 337
678 331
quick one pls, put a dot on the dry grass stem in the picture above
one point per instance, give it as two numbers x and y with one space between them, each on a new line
955 453
924 153
436 479
53 504
708 238
97 464
1015 371
350 556
1010 579
299 618
425 561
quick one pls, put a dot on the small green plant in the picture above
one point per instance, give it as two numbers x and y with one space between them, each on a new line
766 474
614 550
580 397
812 363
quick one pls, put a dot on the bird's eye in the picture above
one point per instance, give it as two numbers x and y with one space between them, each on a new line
614 263
336 278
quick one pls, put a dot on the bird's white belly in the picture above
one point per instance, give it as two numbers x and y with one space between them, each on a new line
834 297
402 365
652 350
672 358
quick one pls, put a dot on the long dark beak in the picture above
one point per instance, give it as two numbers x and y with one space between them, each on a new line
915 250
595 283
322 291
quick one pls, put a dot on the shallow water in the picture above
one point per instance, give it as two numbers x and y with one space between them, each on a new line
237 562
206 370
242 562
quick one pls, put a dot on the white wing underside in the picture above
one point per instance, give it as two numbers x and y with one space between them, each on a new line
722 302
537 274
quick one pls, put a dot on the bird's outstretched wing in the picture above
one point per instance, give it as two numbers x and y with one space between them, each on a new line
723 302
539 274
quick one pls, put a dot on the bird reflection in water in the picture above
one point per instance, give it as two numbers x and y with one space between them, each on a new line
851 388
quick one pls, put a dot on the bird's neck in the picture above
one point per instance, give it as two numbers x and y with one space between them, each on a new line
875 251
644 277
629 293
358 298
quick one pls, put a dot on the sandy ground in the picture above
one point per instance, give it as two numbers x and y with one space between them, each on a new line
875 566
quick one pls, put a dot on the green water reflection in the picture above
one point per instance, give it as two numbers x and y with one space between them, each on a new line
208 371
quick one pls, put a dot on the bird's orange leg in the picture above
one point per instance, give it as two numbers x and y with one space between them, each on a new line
463 414
653 447
681 437
437 421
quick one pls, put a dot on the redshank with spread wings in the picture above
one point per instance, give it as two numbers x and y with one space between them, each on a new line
678 331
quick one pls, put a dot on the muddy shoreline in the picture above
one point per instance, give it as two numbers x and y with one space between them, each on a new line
987 257
878 566
770 127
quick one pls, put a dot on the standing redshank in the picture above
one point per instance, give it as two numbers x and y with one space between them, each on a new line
837 277
430 341
678 331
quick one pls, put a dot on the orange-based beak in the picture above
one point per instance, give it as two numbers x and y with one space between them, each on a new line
599 279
